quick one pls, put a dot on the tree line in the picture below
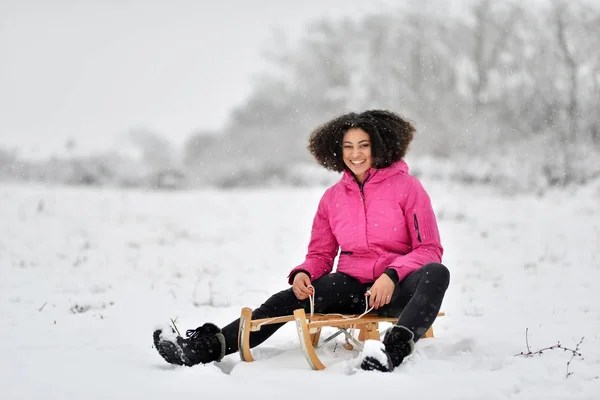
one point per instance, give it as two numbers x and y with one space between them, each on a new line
507 84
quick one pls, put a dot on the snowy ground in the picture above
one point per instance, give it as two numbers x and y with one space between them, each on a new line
85 275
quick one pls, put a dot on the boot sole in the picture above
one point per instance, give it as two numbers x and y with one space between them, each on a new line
170 352
372 364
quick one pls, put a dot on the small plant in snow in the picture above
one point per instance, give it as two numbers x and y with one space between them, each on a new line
574 352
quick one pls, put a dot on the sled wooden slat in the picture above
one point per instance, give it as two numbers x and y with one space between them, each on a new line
309 330
320 320
257 323
306 341
244 335
349 322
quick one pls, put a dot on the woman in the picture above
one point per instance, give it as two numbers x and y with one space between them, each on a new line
381 221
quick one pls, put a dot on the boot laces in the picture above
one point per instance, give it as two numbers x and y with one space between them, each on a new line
194 333
201 338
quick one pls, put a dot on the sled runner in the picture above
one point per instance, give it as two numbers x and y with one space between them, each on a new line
309 331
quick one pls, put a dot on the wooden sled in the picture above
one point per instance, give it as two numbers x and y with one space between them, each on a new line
309 331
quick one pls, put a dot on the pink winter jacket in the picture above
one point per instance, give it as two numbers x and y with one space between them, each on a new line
390 223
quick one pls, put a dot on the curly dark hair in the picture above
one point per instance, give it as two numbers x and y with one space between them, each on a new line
390 136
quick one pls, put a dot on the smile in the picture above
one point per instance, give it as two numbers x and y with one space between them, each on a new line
357 162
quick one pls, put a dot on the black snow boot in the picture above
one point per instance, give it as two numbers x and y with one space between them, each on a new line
398 344
203 345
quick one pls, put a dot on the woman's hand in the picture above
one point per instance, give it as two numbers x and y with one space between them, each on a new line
381 292
301 286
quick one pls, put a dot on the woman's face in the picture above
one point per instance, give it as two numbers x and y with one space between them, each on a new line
357 152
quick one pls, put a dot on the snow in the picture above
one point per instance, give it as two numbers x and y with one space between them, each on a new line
166 332
86 274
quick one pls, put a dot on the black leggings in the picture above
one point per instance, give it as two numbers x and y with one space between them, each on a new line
416 302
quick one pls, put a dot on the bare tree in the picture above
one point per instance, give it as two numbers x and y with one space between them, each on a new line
493 27
565 48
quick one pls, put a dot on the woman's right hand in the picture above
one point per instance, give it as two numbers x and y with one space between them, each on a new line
301 286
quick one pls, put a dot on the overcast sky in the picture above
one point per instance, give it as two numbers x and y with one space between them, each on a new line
91 70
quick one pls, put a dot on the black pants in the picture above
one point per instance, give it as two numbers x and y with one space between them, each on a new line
416 302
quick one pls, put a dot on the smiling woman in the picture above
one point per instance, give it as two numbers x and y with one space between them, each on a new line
386 236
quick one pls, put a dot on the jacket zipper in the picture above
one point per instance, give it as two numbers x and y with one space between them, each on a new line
361 187
417 227
362 196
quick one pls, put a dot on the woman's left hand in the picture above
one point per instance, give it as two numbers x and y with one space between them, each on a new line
381 292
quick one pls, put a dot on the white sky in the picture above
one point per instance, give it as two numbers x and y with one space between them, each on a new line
91 70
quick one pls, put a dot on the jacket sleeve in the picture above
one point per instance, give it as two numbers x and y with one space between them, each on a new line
322 247
422 226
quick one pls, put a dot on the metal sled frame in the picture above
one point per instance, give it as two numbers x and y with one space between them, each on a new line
309 331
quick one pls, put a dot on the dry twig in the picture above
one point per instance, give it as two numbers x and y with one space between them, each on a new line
574 352
175 326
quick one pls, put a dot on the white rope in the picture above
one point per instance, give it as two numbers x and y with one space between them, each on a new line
311 299
367 309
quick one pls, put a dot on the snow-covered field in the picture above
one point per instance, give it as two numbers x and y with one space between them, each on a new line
86 274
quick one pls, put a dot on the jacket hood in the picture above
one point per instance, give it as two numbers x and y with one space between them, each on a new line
375 175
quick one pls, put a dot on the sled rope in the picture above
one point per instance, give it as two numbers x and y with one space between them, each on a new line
311 299
353 329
